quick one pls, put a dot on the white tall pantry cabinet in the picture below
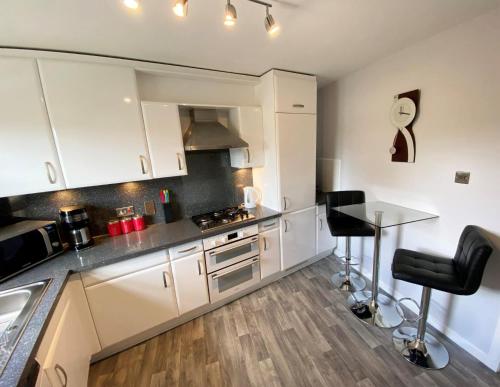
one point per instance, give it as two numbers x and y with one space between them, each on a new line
287 180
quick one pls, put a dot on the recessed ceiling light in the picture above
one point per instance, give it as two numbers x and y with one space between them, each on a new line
132 4
271 26
180 7
230 15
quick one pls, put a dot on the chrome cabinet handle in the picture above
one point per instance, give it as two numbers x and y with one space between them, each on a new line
248 155
188 250
60 370
51 172
144 163
321 224
265 243
286 204
165 279
298 105
286 225
268 225
199 267
179 161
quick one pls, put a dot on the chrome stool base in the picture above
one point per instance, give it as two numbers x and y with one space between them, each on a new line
353 262
429 354
383 314
352 284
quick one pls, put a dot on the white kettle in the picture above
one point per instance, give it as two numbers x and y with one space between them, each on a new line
251 197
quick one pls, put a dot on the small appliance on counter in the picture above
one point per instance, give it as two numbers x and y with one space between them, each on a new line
25 243
75 222
251 197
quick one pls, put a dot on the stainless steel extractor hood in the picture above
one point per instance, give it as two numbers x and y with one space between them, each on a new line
206 133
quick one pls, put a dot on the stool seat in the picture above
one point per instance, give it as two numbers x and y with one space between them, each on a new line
426 270
344 226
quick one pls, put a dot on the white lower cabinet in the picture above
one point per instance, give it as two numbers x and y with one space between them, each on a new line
324 239
269 252
298 237
69 341
132 304
190 281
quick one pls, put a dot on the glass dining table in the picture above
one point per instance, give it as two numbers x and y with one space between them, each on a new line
372 307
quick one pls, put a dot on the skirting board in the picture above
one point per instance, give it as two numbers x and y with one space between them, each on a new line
162 328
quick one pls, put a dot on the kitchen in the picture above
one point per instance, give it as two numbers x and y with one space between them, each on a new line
142 202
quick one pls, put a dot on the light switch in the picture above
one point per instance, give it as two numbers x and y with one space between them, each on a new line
462 177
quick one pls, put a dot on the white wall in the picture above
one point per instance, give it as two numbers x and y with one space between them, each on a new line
458 72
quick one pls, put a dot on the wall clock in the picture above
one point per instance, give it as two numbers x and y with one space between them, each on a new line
403 113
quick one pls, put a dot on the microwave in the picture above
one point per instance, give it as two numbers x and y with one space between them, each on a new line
26 243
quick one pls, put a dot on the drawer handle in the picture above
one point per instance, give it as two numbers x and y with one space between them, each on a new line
51 172
60 370
165 279
265 243
269 225
298 105
188 250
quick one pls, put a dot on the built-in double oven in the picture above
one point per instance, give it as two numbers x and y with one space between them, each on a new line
232 261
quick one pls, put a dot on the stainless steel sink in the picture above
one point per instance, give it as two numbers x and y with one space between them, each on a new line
16 308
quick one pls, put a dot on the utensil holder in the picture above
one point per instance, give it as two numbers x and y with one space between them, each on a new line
168 212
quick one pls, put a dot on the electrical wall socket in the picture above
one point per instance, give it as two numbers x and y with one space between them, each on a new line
125 211
462 177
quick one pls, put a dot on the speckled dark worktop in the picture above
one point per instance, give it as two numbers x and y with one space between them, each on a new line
106 251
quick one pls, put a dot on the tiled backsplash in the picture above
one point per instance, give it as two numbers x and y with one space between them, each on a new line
211 184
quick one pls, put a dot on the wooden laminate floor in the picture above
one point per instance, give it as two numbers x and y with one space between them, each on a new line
294 332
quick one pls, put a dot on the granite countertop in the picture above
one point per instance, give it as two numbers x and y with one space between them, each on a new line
106 251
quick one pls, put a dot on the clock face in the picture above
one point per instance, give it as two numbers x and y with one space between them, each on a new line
403 112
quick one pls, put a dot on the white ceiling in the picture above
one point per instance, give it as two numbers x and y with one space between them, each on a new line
324 37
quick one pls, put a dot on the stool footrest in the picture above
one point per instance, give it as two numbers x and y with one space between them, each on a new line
401 312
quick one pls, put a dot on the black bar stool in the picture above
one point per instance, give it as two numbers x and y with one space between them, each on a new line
461 275
342 225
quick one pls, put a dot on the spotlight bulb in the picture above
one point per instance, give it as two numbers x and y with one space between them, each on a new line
230 15
271 26
180 7
132 4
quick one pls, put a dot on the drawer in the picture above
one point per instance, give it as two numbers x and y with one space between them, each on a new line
294 93
115 270
269 224
185 249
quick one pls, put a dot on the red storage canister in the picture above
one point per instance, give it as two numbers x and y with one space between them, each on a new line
139 223
114 227
127 225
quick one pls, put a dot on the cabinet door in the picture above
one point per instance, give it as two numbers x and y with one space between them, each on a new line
96 119
164 134
324 239
298 237
297 160
190 281
269 252
132 304
72 340
295 93
28 158
248 121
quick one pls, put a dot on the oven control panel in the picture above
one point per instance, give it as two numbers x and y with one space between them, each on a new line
231 236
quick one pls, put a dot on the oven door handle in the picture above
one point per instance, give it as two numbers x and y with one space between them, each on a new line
234 245
254 260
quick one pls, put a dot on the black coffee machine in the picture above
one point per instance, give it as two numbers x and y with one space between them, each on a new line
75 223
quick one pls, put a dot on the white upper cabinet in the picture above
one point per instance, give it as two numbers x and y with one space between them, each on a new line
164 134
96 120
247 120
28 158
296 160
294 93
